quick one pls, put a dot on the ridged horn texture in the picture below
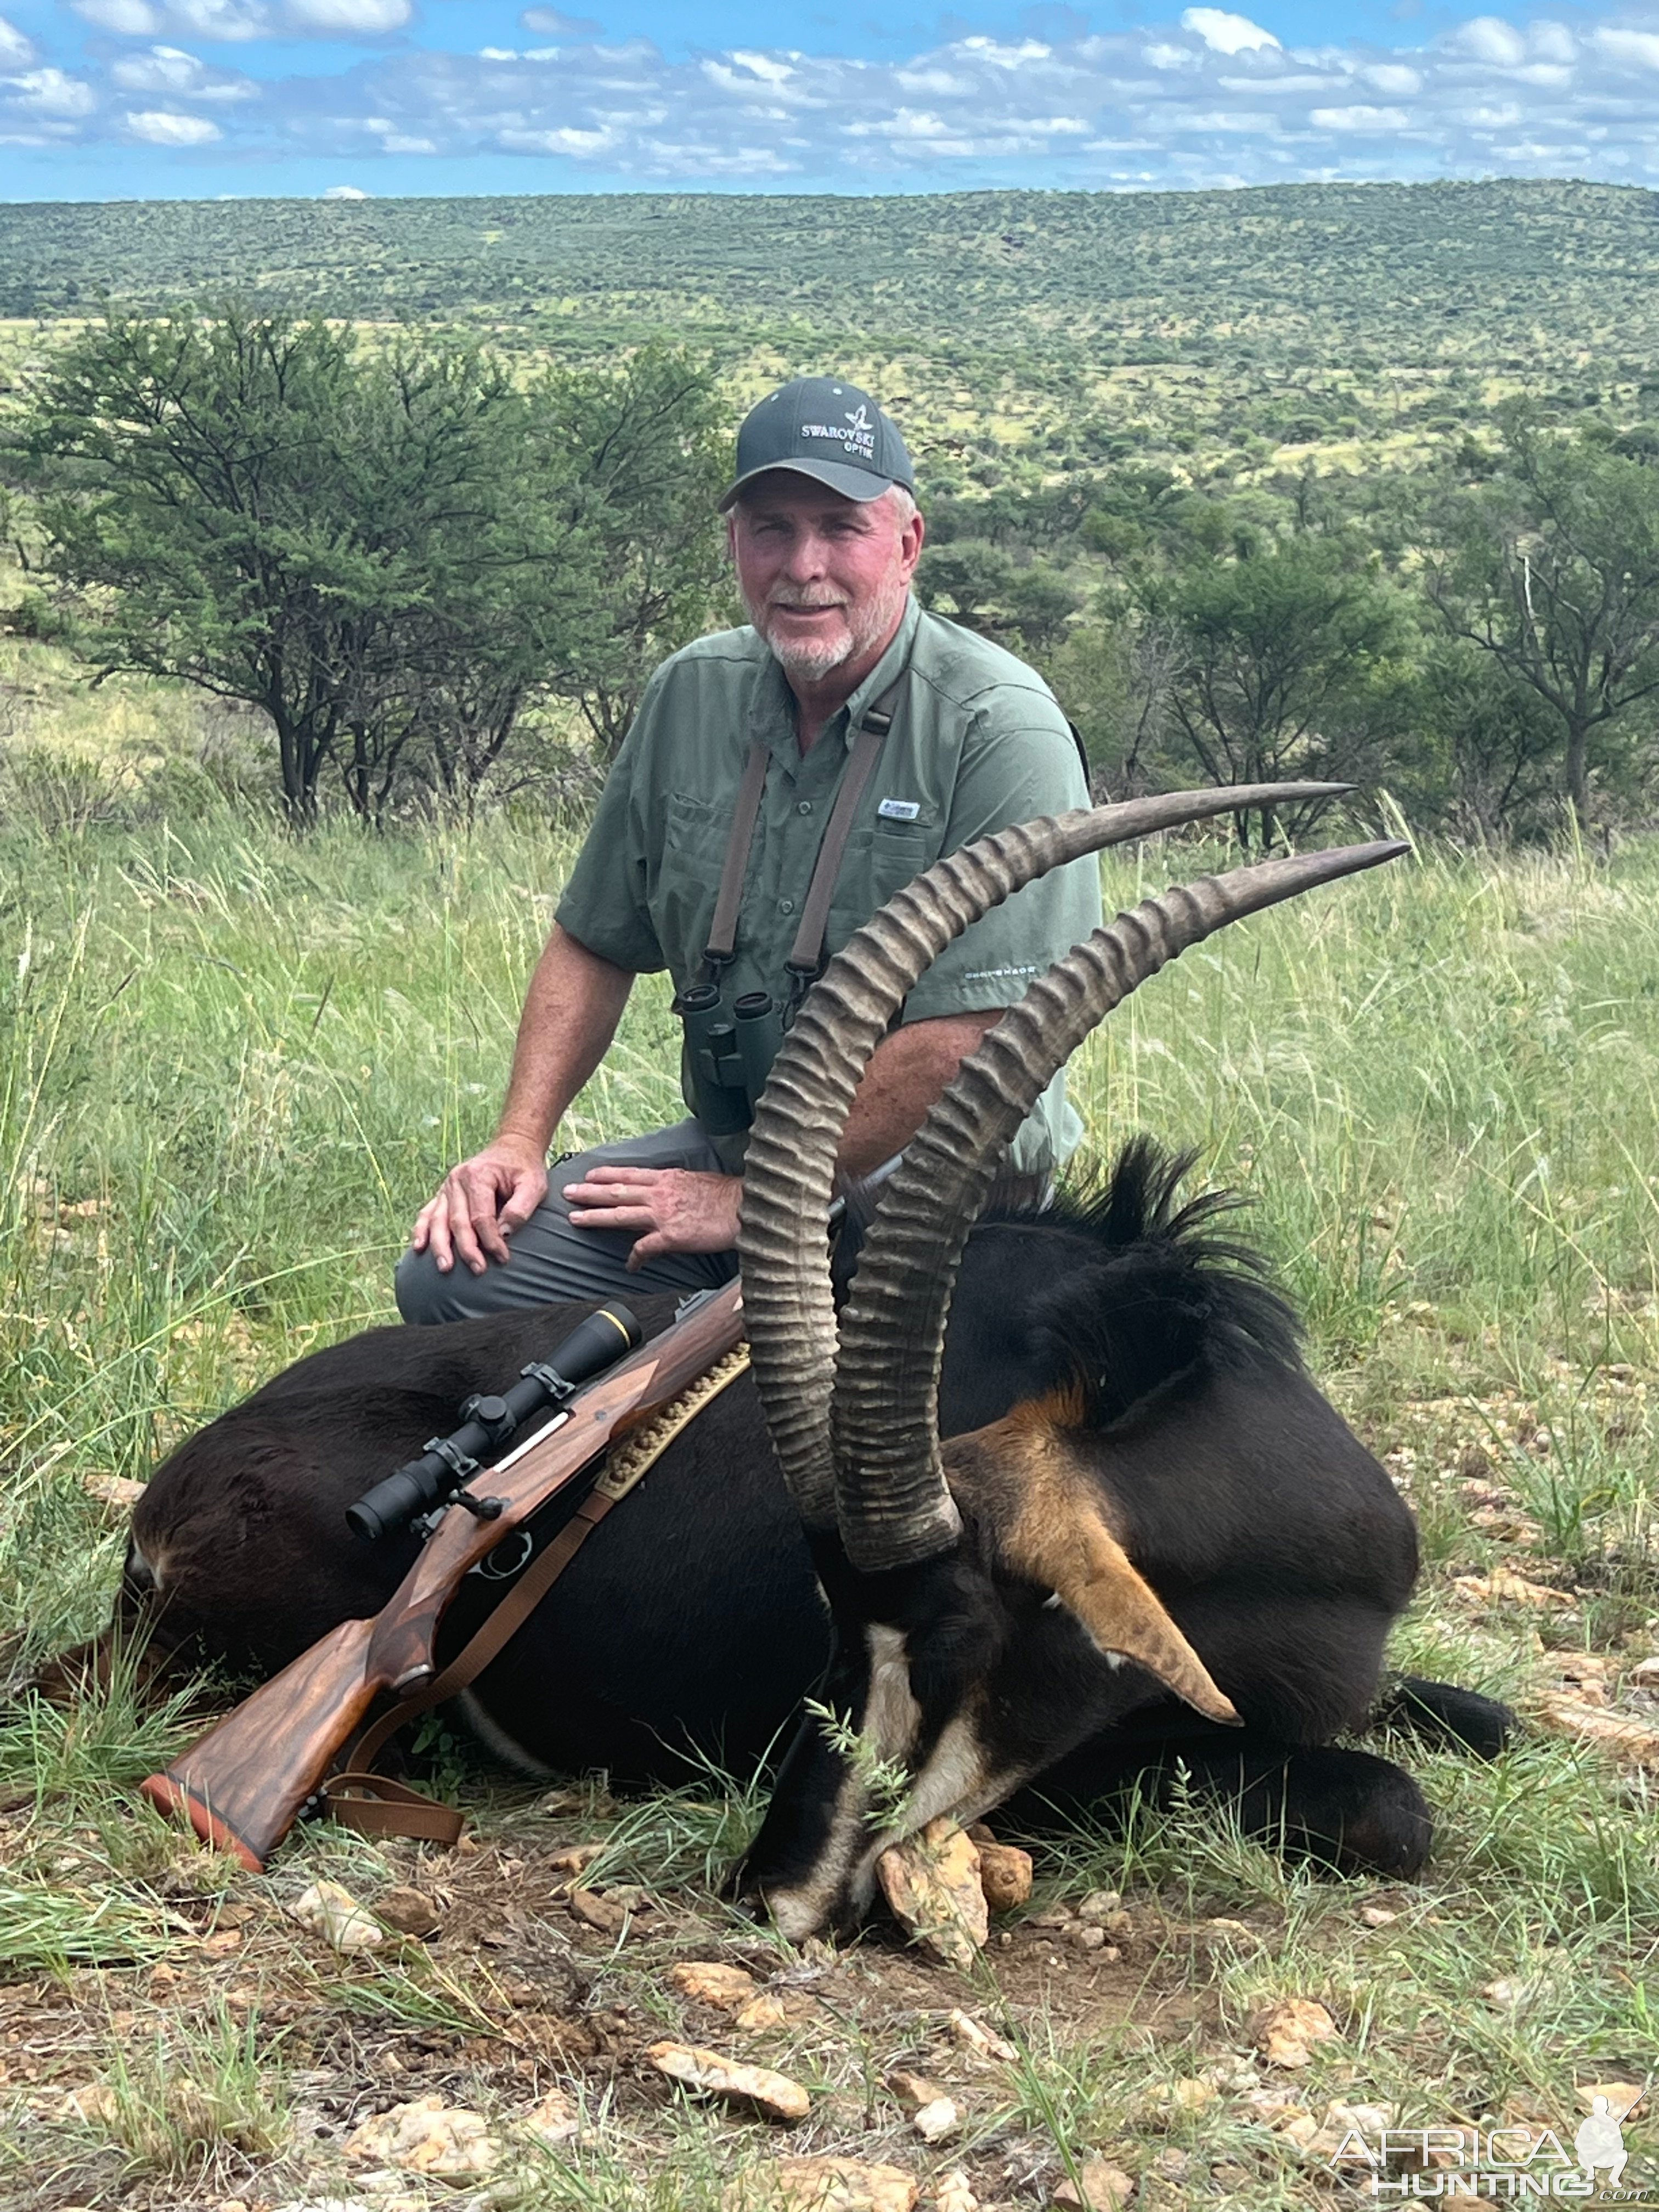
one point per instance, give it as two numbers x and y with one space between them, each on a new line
892 1503
789 1168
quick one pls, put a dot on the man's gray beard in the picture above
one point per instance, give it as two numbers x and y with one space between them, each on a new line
816 662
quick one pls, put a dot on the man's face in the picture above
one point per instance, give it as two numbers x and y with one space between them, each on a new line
823 578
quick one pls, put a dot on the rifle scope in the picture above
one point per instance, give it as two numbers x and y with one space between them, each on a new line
439 1477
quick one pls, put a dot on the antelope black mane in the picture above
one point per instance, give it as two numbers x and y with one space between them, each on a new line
1144 1289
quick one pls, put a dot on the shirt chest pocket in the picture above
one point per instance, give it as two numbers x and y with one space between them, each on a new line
694 843
880 859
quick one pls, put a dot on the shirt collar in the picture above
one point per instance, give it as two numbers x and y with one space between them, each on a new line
772 704
884 672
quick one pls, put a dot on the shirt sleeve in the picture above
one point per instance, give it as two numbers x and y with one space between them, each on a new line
603 903
1019 762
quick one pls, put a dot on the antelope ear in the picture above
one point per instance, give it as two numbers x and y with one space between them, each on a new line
1076 1555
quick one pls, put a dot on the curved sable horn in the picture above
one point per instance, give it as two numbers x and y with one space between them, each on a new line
891 1499
789 1169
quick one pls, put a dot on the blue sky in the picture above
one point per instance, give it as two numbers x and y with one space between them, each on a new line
152 99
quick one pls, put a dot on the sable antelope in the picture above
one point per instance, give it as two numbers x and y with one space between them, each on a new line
1150 1539
1220 1546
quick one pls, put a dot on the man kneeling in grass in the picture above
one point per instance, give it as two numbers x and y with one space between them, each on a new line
839 685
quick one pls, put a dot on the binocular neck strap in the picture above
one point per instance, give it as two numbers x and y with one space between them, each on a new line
723 930
806 953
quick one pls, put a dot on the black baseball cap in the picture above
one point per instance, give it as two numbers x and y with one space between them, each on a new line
823 428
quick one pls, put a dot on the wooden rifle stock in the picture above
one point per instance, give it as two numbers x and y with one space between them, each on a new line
244 1784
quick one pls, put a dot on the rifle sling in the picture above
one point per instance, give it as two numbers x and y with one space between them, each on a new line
374 1804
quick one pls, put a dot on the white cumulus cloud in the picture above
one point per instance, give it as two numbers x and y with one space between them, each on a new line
51 92
1639 49
767 67
370 18
1392 77
1201 97
235 21
228 19
222 20
132 19
1226 34
1489 38
943 81
346 192
1359 119
159 126
1553 42
1028 51
584 145
184 75
551 23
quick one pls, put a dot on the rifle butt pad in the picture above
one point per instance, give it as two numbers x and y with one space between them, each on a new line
242 1786
180 1801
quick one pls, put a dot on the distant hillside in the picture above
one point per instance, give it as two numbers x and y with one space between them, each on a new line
1023 337
1512 274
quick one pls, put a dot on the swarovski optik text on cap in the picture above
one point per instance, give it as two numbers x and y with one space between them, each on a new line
822 428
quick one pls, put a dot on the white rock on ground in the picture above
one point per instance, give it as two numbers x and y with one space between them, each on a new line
773 2095
973 2035
1285 2032
552 2119
932 1883
429 2136
822 2184
333 1913
953 2192
931 2109
1099 2187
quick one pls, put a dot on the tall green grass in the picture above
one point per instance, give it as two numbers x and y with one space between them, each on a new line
231 1065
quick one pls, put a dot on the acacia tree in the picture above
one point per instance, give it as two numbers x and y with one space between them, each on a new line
1114 676
229 499
1490 767
635 459
390 553
1283 661
490 588
1551 569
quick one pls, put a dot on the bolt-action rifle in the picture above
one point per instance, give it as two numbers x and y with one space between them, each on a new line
246 1783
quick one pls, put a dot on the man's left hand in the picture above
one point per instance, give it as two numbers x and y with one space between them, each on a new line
665 1209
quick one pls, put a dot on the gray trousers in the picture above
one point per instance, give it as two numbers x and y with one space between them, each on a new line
555 1263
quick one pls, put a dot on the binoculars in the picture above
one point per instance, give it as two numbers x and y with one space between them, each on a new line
729 1055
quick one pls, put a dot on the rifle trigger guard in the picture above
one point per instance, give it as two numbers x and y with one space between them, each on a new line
493 1569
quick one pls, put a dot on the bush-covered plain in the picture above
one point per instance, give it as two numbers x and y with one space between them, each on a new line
1342 480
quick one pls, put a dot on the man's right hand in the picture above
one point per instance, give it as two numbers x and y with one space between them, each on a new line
481 1203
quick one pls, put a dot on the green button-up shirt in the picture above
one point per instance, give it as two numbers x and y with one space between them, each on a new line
977 743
